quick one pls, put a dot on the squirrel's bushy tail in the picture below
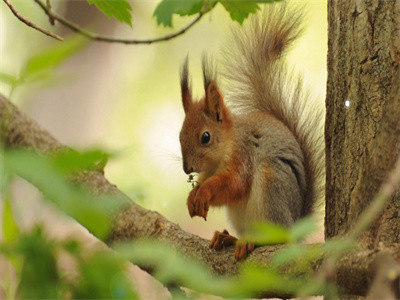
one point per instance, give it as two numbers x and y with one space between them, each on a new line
259 81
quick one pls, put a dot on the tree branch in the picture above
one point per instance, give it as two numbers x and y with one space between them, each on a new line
29 23
354 272
101 38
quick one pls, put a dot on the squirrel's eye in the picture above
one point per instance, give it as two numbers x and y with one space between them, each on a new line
205 137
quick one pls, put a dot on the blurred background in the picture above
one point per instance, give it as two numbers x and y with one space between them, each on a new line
126 99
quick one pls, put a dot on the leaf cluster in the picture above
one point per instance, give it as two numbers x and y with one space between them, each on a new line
238 10
121 10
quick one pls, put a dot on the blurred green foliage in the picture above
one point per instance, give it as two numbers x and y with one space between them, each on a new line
271 234
40 67
92 212
102 273
9 226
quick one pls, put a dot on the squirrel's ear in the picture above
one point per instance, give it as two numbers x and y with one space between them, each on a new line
214 101
185 87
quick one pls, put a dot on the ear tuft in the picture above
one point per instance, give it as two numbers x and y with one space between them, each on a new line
214 102
209 74
186 90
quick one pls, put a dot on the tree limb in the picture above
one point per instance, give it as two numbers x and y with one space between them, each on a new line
29 23
101 38
354 271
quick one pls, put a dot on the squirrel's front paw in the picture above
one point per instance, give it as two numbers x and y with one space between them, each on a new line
190 201
198 202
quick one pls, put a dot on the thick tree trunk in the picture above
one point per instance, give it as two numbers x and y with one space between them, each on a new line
363 114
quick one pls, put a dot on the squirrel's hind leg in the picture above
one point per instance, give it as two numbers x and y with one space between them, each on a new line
221 240
243 249
224 239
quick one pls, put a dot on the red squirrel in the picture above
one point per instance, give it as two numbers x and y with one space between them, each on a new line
258 149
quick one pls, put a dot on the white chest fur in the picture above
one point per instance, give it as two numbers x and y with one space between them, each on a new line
252 209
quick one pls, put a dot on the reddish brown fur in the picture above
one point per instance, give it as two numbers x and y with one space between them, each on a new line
229 186
200 118
224 178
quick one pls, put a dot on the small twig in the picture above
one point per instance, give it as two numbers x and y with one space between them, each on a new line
29 23
51 19
101 38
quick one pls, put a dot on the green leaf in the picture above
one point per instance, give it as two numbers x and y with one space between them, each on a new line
39 276
8 79
288 254
49 58
71 246
118 9
171 267
272 233
339 245
102 277
254 278
268 234
71 161
302 228
167 8
239 10
9 225
91 211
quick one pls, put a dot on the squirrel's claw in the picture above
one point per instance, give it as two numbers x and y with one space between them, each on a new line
224 239
221 240
198 203
243 249
191 203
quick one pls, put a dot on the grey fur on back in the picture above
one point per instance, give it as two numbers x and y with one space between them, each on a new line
278 182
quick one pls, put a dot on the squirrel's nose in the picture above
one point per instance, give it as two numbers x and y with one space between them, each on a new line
187 169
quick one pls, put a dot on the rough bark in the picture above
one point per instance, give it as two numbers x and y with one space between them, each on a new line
362 140
354 271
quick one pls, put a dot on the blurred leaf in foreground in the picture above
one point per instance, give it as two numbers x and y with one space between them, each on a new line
118 9
39 277
301 228
102 277
91 211
289 254
8 79
268 233
169 266
39 64
9 226
72 161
